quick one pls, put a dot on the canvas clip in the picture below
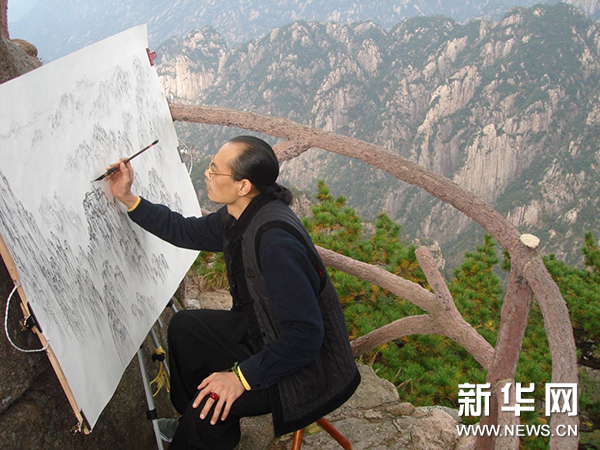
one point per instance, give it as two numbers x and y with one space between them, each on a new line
27 323
151 56
82 425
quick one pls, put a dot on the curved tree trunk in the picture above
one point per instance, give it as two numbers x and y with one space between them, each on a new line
515 312
529 273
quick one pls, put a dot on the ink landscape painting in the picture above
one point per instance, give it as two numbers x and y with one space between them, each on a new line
95 280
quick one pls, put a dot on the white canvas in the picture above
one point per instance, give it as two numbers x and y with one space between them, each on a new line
96 281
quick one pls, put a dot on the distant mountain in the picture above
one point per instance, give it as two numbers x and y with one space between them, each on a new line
508 110
59 27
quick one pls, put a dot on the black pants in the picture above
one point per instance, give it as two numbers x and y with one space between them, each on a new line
202 342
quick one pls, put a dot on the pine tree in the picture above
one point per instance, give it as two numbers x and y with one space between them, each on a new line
477 289
581 290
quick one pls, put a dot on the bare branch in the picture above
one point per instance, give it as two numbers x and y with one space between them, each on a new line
557 323
449 320
290 149
444 317
505 441
515 312
398 286
406 326
435 279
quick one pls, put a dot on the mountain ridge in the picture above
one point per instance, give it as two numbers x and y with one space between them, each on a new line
59 27
503 108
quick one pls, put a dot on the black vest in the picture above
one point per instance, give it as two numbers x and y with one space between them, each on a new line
327 382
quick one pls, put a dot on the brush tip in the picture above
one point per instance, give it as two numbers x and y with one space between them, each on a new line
155 142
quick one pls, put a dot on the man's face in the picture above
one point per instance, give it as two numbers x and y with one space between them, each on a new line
220 185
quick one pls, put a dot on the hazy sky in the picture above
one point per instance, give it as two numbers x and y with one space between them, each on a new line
18 8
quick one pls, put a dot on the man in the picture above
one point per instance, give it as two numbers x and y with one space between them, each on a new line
283 348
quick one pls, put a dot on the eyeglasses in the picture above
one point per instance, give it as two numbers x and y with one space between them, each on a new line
211 173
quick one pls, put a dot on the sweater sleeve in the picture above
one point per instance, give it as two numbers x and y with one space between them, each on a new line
292 284
196 233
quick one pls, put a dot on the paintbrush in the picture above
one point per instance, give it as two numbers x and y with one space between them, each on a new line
108 172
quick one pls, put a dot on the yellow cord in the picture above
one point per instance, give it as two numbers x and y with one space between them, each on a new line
161 379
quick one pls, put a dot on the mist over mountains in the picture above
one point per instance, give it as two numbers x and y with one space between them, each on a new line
59 27
508 110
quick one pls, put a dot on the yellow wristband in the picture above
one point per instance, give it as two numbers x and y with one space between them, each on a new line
241 377
136 204
243 380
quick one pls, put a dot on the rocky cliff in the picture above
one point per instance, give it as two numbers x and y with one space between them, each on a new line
374 418
506 109
591 7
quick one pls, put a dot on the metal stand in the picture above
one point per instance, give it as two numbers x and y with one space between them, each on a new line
151 409
151 413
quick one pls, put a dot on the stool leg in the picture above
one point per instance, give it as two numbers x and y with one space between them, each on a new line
345 443
297 439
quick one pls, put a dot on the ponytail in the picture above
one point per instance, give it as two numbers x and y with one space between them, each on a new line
279 192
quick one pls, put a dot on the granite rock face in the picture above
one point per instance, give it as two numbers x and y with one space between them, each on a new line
374 419
16 58
506 109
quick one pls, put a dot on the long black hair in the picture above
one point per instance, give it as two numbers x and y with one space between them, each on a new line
257 163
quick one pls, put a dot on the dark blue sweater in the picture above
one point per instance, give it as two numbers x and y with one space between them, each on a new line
291 280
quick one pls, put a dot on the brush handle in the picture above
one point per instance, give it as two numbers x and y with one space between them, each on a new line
140 152
108 172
